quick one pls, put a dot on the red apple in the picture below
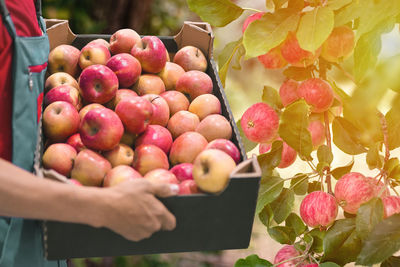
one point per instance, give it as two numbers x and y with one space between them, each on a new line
90 168
183 171
191 58
215 126
381 190
194 83
120 174
65 93
205 105
93 54
149 84
186 148
188 187
98 84
273 59
119 155
317 131
76 142
149 157
101 129
391 205
176 101
318 209
88 108
160 109
59 78
64 58
126 67
181 122
227 146
317 93
123 40
212 169
151 53
339 44
288 92
156 135
59 157
101 42
121 94
288 156
288 255
170 75
161 176
135 113
60 120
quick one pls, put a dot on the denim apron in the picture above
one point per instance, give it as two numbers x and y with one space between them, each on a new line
21 241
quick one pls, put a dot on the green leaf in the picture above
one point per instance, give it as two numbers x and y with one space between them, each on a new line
279 3
314 28
299 74
272 98
341 243
248 145
318 240
348 13
293 127
296 5
299 184
296 223
269 4
340 171
346 136
368 215
282 234
269 161
383 242
324 154
393 124
253 261
225 58
266 216
216 12
269 31
395 173
328 264
374 159
270 189
238 57
391 164
314 186
338 4
283 205
391 262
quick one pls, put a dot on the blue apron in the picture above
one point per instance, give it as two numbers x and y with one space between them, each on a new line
21 241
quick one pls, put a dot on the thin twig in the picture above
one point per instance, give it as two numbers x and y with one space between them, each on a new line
348 75
329 144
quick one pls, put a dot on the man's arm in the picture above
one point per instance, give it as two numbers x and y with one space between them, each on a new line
130 208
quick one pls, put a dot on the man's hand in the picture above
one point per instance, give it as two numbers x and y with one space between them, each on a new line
132 209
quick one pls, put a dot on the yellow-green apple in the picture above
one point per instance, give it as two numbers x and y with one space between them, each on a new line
151 53
205 105
191 58
317 93
149 157
101 129
60 121
260 123
76 142
135 113
188 187
288 92
170 75
90 168
59 78
212 169
215 126
161 176
183 171
119 155
181 122
149 84
156 135
176 101
186 148
64 58
288 156
120 174
194 83
59 157
121 94
227 146
339 44
126 67
123 40
65 93
160 109
98 84
317 131
101 42
128 138
88 108
93 54
295 55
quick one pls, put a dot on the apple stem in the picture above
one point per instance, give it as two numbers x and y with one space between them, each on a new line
329 144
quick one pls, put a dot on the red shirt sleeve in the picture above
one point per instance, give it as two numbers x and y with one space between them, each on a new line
23 15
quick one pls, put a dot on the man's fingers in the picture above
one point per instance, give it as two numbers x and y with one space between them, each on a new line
167 219
164 190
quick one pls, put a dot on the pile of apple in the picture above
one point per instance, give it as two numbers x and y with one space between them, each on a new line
121 110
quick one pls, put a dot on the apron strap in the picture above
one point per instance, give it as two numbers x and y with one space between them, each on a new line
7 19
